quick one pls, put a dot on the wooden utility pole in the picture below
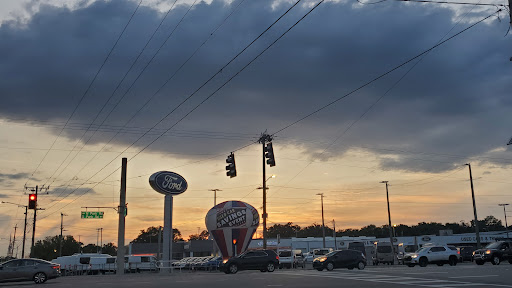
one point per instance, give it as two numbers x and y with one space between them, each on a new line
477 231
121 227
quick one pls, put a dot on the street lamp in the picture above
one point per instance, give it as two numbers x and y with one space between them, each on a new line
323 224
25 227
394 230
214 196
389 221
505 212
477 232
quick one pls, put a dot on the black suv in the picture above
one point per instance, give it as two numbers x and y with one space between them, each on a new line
494 253
340 259
263 260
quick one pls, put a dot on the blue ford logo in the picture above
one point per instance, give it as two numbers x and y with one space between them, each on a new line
168 183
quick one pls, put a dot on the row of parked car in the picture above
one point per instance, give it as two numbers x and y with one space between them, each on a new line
198 263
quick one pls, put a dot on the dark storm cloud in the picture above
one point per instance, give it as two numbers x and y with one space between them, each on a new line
456 101
9 180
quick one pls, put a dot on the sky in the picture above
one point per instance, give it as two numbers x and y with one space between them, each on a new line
353 95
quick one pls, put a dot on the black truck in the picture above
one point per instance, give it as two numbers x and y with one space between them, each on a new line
495 253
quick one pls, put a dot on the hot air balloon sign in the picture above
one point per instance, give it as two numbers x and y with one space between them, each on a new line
232 225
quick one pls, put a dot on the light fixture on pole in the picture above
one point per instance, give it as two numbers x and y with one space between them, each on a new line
505 212
389 221
477 232
323 224
215 196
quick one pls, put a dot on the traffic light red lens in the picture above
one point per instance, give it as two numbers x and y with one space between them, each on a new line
32 197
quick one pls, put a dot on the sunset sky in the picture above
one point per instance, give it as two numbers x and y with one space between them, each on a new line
415 127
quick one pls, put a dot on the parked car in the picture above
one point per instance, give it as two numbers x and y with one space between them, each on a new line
495 253
263 260
437 254
36 270
340 259
466 253
385 253
309 257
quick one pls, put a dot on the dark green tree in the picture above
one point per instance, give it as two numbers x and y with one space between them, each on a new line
287 230
109 249
48 248
201 236
90 248
150 235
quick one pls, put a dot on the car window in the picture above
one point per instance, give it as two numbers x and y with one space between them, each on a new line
85 260
384 249
260 254
28 262
504 246
285 254
494 245
453 248
145 259
249 254
10 264
437 249
111 260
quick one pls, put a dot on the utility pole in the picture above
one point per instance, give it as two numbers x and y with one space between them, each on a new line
505 213
389 222
35 189
61 229
334 227
101 240
121 211
323 223
263 140
24 227
477 232
214 196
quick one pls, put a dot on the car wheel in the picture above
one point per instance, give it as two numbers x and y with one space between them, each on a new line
329 266
271 267
360 266
410 265
510 261
233 268
423 262
479 262
39 278
496 260
452 260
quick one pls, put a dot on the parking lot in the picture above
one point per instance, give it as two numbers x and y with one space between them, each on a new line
462 275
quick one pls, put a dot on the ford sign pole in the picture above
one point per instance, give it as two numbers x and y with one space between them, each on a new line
167 249
169 184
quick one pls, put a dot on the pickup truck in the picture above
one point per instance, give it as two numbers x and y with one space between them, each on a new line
495 253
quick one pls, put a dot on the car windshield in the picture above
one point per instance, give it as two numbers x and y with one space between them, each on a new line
422 250
331 253
494 245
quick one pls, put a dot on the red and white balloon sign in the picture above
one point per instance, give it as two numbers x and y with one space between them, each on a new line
232 225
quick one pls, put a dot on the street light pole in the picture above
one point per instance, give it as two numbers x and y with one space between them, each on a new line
477 232
214 196
505 212
389 221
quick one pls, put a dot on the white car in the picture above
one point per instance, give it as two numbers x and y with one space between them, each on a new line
437 254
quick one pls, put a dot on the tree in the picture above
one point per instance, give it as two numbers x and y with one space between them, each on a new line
109 249
90 248
48 248
287 230
201 236
150 235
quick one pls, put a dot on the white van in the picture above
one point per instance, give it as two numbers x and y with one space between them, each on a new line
140 262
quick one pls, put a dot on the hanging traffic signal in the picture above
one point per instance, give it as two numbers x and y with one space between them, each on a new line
231 167
32 201
269 154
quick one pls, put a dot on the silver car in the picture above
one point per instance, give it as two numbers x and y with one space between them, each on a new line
28 269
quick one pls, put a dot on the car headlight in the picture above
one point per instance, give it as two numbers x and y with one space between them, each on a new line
414 256
224 262
488 252
322 259
473 253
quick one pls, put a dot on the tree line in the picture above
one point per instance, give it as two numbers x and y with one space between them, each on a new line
288 230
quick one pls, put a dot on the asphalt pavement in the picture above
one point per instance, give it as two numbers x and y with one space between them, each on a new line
462 275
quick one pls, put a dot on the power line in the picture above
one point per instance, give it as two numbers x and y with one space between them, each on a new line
218 89
382 75
88 88
435 2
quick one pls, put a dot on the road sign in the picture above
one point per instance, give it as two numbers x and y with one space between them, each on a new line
92 215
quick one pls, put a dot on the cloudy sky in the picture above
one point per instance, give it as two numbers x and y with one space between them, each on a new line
152 102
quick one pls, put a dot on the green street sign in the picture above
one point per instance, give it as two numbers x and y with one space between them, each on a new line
92 215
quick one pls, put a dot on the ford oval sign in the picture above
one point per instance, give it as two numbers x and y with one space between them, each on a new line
168 183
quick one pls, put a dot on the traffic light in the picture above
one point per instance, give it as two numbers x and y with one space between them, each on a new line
269 153
32 201
231 168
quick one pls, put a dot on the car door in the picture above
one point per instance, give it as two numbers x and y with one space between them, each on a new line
10 270
506 250
337 259
27 268
437 253
260 260
245 260
344 258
